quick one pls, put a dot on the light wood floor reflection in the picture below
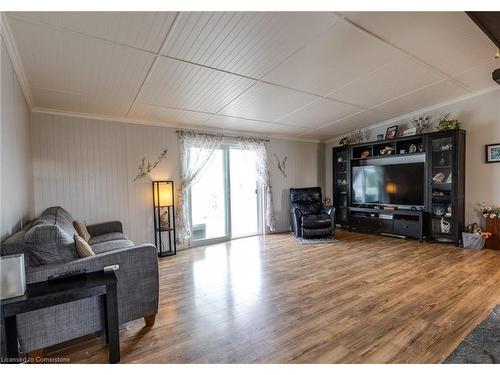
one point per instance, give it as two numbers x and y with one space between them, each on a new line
366 299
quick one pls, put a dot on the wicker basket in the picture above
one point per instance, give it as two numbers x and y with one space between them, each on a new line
472 241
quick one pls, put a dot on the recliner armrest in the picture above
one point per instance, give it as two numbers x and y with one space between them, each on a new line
104 228
328 210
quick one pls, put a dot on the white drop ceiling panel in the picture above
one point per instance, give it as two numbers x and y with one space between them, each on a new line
450 41
227 122
340 55
319 113
144 30
67 61
79 103
479 77
357 121
168 115
436 93
392 80
255 103
246 43
182 85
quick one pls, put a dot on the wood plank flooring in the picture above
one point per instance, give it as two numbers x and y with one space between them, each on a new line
366 299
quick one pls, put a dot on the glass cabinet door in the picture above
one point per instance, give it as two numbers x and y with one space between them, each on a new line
341 184
441 192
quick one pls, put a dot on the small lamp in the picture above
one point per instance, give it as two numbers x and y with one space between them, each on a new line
391 188
164 214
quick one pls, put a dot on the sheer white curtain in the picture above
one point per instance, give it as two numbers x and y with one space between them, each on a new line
262 167
196 152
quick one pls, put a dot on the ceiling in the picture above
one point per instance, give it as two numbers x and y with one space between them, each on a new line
312 75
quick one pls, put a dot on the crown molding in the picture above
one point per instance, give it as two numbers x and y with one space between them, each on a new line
10 44
417 112
170 125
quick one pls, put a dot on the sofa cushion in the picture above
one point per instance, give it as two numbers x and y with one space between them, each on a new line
102 247
81 229
15 245
107 237
315 221
50 238
82 247
60 217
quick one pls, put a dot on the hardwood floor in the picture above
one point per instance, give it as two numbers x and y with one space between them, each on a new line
366 299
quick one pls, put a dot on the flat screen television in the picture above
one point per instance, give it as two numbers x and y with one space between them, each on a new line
390 184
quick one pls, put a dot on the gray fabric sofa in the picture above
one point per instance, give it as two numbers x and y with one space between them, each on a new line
49 248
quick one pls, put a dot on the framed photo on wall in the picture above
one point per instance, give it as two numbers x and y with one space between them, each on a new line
391 132
492 153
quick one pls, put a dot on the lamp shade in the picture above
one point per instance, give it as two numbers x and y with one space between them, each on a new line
163 192
391 188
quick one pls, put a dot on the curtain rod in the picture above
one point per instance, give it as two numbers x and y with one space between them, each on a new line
223 136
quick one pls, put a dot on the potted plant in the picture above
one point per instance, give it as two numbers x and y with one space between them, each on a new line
447 123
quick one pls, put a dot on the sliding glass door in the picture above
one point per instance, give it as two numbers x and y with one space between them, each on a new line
226 199
245 195
209 201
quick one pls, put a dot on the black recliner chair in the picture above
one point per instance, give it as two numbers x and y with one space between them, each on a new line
308 217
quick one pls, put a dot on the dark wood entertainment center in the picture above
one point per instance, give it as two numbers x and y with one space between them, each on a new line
440 218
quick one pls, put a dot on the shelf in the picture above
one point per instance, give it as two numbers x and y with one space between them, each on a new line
388 156
165 230
441 199
442 150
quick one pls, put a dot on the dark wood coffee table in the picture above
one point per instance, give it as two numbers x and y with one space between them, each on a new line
44 294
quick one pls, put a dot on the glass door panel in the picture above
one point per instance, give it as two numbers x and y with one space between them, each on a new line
209 218
442 180
244 193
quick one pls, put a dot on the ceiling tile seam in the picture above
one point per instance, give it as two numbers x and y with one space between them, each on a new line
411 55
248 42
57 90
231 32
200 32
362 77
208 67
419 111
261 79
236 30
175 108
203 47
263 121
123 120
318 99
155 61
304 45
334 122
65 29
374 108
12 50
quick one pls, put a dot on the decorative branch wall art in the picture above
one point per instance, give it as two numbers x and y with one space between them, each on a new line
147 166
281 164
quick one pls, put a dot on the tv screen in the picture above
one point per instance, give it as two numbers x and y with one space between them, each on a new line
395 184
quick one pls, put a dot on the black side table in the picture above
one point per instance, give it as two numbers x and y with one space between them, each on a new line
44 294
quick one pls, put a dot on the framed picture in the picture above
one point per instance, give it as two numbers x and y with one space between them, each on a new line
391 132
492 153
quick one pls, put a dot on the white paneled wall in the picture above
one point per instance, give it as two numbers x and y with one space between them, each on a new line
88 166
16 169
302 170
